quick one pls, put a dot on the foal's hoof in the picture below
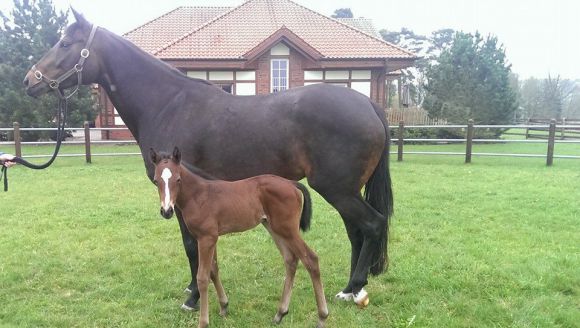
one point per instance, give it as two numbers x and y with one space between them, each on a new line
342 296
224 309
361 299
278 317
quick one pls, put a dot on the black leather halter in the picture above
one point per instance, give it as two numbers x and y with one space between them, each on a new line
77 69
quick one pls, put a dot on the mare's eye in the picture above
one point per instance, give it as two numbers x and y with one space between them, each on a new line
64 44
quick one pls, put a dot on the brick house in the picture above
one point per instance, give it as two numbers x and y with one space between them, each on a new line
265 46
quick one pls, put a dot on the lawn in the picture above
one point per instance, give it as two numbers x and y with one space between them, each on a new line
489 244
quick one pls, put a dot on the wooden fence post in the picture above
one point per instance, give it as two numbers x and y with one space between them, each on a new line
551 138
17 140
400 134
469 141
87 142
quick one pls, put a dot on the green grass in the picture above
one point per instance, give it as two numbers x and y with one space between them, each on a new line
490 244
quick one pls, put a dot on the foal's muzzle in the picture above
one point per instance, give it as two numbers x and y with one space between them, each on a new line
166 214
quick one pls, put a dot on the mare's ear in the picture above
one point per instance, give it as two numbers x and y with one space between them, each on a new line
176 155
153 155
79 17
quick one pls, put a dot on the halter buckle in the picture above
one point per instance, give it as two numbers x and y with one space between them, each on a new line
78 68
53 84
37 74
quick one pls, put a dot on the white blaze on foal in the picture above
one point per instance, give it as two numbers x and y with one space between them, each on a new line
166 175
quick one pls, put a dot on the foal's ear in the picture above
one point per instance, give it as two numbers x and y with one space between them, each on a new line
176 155
153 156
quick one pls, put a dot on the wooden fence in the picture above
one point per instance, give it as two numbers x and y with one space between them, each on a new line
399 140
413 116
567 129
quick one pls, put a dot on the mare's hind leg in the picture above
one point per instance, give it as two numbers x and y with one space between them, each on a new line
290 262
367 232
221 293
356 238
190 245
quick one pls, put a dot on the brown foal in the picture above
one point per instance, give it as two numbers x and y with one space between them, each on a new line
212 208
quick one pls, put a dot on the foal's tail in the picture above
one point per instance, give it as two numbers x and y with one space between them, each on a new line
306 207
379 194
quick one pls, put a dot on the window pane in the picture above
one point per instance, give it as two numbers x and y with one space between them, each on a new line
275 64
283 64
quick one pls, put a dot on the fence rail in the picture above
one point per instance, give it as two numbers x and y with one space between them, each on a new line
469 140
399 141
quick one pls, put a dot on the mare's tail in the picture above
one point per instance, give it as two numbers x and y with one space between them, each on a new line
379 194
306 207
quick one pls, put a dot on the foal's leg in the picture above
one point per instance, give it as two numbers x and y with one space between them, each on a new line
290 262
206 250
310 260
215 277
190 245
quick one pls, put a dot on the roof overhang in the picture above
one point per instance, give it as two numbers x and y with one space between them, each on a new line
286 36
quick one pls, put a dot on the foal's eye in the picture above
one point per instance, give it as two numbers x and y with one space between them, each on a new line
155 182
178 180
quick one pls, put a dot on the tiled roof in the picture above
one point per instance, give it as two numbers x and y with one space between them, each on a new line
237 31
363 24
168 28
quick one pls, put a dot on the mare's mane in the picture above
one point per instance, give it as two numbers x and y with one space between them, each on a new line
151 59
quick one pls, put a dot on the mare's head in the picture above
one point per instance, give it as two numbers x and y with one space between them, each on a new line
167 179
59 67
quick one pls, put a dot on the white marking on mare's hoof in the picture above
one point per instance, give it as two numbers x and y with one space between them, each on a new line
187 290
362 299
187 308
342 296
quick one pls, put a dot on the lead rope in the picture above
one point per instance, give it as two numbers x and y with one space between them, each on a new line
61 120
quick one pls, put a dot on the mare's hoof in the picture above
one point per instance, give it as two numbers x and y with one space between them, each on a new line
361 299
186 307
278 318
342 296
190 305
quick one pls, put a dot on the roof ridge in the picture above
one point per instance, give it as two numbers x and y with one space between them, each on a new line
152 20
211 21
354 29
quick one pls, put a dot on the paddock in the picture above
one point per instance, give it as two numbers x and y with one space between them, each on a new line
491 243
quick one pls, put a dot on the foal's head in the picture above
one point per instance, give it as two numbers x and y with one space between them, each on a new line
167 179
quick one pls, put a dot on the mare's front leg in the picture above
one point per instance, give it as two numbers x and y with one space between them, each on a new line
206 249
190 245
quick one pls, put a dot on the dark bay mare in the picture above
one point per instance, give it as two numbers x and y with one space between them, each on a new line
211 208
335 137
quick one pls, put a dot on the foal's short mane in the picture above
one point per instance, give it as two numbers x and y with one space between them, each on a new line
189 167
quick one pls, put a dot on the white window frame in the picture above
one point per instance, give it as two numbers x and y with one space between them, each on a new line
279 86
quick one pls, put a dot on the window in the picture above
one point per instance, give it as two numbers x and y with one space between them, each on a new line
227 87
279 74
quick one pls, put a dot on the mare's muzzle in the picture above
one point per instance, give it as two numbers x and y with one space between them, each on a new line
166 213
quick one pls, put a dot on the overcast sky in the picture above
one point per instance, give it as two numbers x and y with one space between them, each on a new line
540 37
